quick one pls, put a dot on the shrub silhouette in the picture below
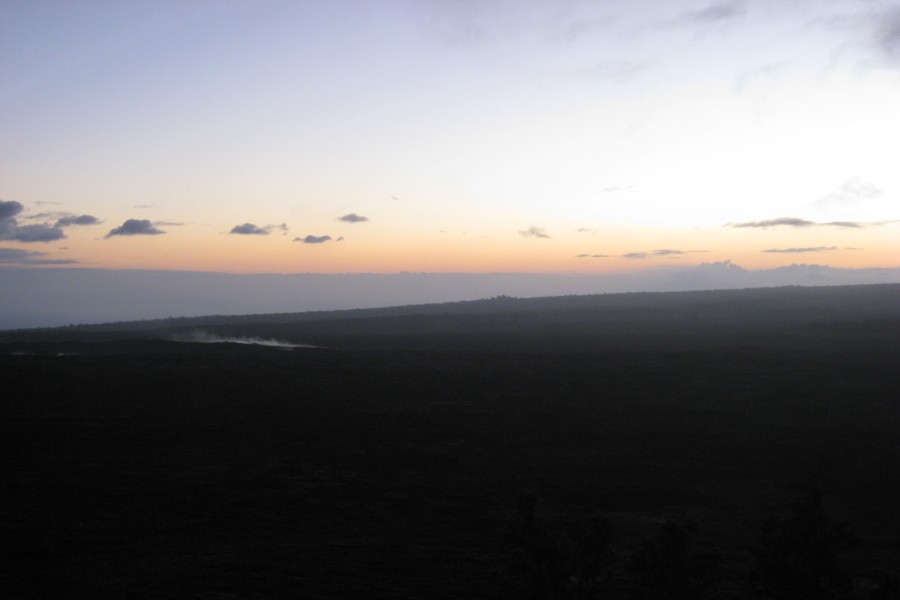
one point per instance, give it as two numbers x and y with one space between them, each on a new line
591 559
798 557
544 566
536 560
670 569
889 589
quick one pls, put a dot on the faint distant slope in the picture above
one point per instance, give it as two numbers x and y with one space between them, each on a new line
639 312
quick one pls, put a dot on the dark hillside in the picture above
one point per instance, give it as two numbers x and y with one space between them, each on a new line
388 464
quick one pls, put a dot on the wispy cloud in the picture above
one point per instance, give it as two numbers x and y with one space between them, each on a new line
800 250
714 13
352 218
847 224
803 223
779 222
887 36
615 72
135 227
535 232
592 256
852 191
661 252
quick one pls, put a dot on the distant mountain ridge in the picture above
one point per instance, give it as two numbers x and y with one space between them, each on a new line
744 311
52 296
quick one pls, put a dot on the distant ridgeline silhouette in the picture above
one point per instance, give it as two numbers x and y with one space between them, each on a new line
752 310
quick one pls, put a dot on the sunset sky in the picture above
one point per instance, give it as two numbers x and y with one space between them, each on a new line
449 135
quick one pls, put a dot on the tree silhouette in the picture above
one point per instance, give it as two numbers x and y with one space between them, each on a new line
575 566
536 562
798 558
591 559
670 569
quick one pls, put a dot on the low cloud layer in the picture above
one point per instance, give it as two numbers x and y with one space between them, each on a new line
135 227
16 256
535 232
353 218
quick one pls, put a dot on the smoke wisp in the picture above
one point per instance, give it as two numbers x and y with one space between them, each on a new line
204 337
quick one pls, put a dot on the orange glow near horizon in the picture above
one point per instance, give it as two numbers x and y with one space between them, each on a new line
608 251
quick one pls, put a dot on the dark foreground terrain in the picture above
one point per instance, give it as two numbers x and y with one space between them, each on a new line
389 461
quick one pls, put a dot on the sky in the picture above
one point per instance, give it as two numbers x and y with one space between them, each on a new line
448 136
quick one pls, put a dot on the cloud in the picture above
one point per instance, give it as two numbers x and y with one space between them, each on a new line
888 36
27 257
799 223
800 250
786 221
852 191
535 232
715 13
135 227
353 218
11 230
314 239
36 233
250 229
79 220
615 72
9 209
847 224
586 230
661 252
592 256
